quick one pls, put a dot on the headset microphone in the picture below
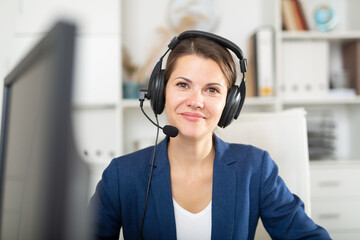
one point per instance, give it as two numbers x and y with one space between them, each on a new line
168 130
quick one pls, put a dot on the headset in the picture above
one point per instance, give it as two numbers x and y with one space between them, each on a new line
236 94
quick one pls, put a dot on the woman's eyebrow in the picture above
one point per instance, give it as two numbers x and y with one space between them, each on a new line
184 78
208 84
216 84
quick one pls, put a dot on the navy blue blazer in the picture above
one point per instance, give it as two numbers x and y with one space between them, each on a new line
246 186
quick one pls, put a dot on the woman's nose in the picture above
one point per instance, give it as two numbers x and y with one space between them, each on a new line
196 100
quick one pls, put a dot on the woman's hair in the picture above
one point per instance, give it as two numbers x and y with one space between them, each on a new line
206 48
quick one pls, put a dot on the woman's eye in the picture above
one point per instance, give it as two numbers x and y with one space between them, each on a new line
213 90
182 85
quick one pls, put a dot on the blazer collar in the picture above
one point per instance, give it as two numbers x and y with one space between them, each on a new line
221 151
224 192
223 195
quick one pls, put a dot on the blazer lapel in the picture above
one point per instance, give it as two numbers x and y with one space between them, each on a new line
224 193
161 192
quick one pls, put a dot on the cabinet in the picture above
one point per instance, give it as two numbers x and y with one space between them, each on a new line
335 197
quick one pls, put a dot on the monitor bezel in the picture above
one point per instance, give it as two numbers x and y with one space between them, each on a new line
60 41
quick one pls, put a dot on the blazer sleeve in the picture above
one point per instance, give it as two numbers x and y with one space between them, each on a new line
282 212
105 205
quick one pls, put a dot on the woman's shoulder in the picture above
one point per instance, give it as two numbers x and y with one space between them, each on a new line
249 154
137 158
249 160
246 149
245 154
239 149
130 164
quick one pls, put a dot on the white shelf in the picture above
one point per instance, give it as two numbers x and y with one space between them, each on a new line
323 101
261 101
250 101
333 163
94 106
133 103
313 35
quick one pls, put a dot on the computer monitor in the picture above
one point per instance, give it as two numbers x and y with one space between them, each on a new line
43 181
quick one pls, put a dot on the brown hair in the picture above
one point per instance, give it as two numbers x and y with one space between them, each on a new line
206 48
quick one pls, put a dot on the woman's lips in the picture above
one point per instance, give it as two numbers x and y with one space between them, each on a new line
192 116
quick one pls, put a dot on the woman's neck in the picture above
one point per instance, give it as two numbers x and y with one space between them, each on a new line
193 154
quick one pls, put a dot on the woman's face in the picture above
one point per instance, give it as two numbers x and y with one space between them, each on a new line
195 96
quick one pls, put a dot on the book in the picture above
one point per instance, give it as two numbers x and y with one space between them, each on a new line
351 63
262 62
293 15
251 74
301 11
296 15
288 15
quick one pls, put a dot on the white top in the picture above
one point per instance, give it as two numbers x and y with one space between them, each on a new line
192 225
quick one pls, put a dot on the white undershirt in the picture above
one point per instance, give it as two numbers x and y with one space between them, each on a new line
192 225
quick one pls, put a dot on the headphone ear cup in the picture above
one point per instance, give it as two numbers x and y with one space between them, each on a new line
157 93
231 106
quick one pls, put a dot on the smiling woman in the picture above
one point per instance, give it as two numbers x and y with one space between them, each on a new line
201 187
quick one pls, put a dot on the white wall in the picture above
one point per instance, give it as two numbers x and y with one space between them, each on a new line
6 28
26 21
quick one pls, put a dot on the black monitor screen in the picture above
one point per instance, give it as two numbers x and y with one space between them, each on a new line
38 160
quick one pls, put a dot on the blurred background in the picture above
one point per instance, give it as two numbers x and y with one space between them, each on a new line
301 54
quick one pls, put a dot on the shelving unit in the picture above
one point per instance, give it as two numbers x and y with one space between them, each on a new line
347 106
334 202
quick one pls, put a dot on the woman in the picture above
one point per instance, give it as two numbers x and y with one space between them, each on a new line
201 187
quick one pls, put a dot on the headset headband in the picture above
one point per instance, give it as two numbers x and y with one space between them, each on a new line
218 39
